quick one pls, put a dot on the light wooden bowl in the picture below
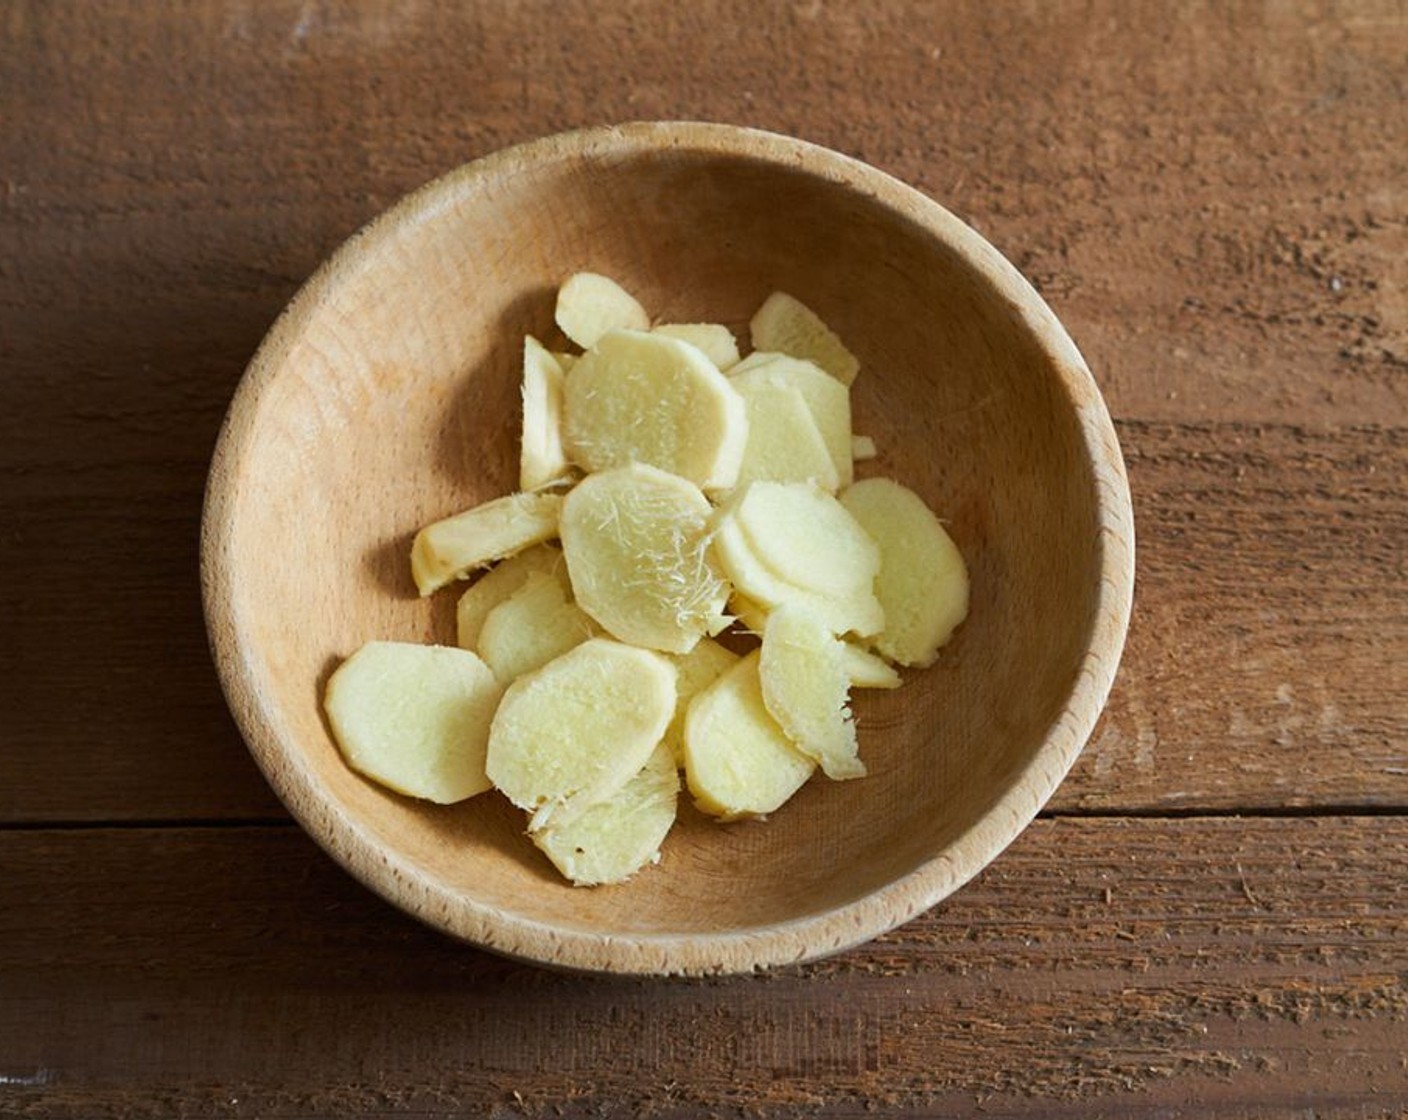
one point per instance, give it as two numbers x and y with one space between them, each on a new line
387 396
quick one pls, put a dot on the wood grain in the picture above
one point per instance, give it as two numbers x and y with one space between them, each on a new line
1098 968
1265 665
1210 195
1268 656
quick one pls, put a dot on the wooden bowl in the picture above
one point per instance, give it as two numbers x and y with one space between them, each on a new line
386 396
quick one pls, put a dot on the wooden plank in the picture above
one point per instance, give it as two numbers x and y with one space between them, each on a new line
1210 196
1265 666
1267 661
1210 967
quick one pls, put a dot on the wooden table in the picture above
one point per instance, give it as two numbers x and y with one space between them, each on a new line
1211 919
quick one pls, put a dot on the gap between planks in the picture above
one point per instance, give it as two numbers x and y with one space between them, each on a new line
1293 812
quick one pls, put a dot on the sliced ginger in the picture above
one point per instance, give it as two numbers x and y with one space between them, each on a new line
806 688
793 542
452 548
784 443
571 734
586 732
923 582
715 341
808 538
786 324
637 552
738 761
647 398
763 589
541 459
590 305
500 582
415 718
614 839
696 670
535 624
828 400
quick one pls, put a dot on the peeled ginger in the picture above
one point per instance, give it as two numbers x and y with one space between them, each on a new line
614 839
635 542
589 305
501 581
738 761
571 734
415 718
541 459
535 624
787 324
923 582
806 688
450 549
647 398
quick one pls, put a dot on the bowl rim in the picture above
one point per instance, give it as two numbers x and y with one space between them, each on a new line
407 885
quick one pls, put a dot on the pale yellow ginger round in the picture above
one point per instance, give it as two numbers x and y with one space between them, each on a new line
697 670
828 400
636 397
537 623
541 458
761 589
614 839
806 688
571 734
785 323
415 718
500 582
738 761
923 582
636 543
807 537
589 305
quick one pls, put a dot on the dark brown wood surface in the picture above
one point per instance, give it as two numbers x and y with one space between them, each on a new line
1213 917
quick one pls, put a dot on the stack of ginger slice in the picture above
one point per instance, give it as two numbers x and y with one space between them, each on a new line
689 492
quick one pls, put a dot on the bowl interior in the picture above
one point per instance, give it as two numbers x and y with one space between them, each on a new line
388 397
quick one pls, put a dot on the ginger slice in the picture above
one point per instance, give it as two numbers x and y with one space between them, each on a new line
697 669
828 399
537 623
786 324
647 398
807 537
860 613
541 459
784 443
450 549
589 305
501 581
738 761
806 688
614 839
415 718
923 582
571 734
636 544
